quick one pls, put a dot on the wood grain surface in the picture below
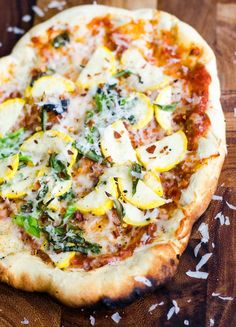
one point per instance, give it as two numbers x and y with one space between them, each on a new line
216 21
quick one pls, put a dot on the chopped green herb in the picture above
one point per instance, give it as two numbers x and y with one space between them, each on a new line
132 119
42 191
28 223
44 118
88 115
58 166
68 196
61 40
99 98
168 107
24 158
123 73
68 239
10 143
71 209
119 208
136 171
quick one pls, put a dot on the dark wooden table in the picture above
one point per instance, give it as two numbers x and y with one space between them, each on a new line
216 21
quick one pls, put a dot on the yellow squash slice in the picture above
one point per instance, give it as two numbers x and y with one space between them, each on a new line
136 217
62 260
10 111
116 144
163 155
99 201
153 181
142 110
164 118
144 76
40 145
49 86
99 69
8 167
20 184
143 198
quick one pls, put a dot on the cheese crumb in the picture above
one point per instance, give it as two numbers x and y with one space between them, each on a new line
38 11
186 322
92 320
25 321
26 18
116 317
15 30
56 5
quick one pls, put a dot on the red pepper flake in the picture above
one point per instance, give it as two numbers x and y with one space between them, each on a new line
164 149
151 149
79 216
117 135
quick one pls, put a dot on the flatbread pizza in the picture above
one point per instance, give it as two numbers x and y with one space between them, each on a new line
112 142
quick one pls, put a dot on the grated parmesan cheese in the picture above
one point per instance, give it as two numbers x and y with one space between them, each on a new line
231 206
25 321
203 261
175 309
56 4
26 18
38 11
224 220
116 317
92 320
217 197
15 30
225 298
143 280
197 274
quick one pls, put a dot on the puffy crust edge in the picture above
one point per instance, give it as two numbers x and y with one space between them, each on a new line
157 263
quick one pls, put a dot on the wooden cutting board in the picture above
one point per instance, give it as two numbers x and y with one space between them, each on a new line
216 21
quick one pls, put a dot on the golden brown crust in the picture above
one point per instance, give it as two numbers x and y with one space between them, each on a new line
157 262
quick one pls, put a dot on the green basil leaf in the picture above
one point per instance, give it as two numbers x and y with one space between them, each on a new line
44 119
168 107
136 171
28 223
10 143
123 73
58 166
119 208
71 209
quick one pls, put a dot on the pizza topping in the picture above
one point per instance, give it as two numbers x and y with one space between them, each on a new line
150 77
143 198
168 152
10 110
100 67
8 167
50 86
61 40
164 108
119 149
41 145
99 201
136 217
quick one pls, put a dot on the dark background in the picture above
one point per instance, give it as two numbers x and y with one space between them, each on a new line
216 21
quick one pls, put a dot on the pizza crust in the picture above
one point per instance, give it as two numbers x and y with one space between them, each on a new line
157 263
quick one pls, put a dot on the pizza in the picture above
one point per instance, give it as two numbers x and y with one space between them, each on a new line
112 141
